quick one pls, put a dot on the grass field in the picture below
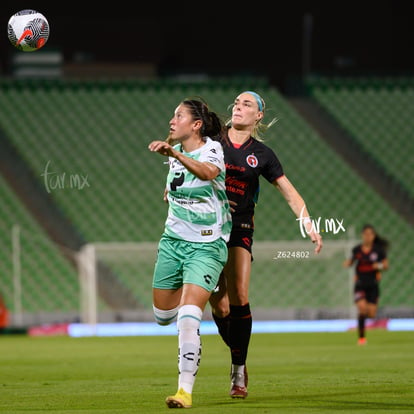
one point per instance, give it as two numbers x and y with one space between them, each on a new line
289 373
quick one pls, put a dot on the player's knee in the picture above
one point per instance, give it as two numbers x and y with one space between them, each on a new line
220 311
165 317
372 312
219 305
189 318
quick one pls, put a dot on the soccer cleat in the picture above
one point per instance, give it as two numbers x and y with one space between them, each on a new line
238 392
362 341
181 399
239 385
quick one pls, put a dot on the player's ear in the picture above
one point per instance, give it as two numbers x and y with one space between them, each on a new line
260 116
197 124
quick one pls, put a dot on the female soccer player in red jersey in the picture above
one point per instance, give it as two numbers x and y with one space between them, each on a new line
370 258
247 158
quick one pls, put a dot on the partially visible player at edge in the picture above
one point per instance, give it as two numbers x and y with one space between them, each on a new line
369 258
192 250
246 159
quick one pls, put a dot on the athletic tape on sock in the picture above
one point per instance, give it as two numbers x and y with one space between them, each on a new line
164 317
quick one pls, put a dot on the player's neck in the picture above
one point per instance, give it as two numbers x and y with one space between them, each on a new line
367 246
239 136
192 143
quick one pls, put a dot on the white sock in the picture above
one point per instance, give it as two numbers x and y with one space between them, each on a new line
164 317
237 369
237 375
189 345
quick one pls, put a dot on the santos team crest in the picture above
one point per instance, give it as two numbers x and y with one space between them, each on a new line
252 160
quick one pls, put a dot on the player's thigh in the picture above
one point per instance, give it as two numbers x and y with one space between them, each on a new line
194 295
167 278
166 299
204 264
237 272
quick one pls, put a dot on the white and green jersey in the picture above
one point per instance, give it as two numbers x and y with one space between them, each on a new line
198 210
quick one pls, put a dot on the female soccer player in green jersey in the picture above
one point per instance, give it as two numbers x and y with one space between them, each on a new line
192 250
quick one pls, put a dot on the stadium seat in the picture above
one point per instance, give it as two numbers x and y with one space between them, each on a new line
380 117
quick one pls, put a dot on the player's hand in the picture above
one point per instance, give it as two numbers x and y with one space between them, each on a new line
317 240
162 148
379 266
232 205
165 196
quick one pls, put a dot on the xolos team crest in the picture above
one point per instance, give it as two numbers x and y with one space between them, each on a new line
252 160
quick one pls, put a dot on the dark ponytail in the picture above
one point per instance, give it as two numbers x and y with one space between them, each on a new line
379 241
212 124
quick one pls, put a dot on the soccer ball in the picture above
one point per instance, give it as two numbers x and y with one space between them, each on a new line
28 30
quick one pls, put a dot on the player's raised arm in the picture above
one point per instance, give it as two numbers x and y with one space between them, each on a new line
203 170
297 205
347 263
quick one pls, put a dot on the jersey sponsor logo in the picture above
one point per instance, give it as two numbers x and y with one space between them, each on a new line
245 225
235 182
252 160
213 160
235 167
183 201
365 267
373 257
247 241
235 186
176 166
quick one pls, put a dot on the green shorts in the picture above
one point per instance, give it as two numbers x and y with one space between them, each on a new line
180 262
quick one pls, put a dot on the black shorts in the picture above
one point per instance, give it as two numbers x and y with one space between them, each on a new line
369 292
240 237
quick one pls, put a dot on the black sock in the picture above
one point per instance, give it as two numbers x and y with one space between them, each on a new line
361 326
240 329
223 327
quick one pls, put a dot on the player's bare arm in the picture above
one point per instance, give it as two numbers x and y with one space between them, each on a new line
297 205
381 265
347 263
